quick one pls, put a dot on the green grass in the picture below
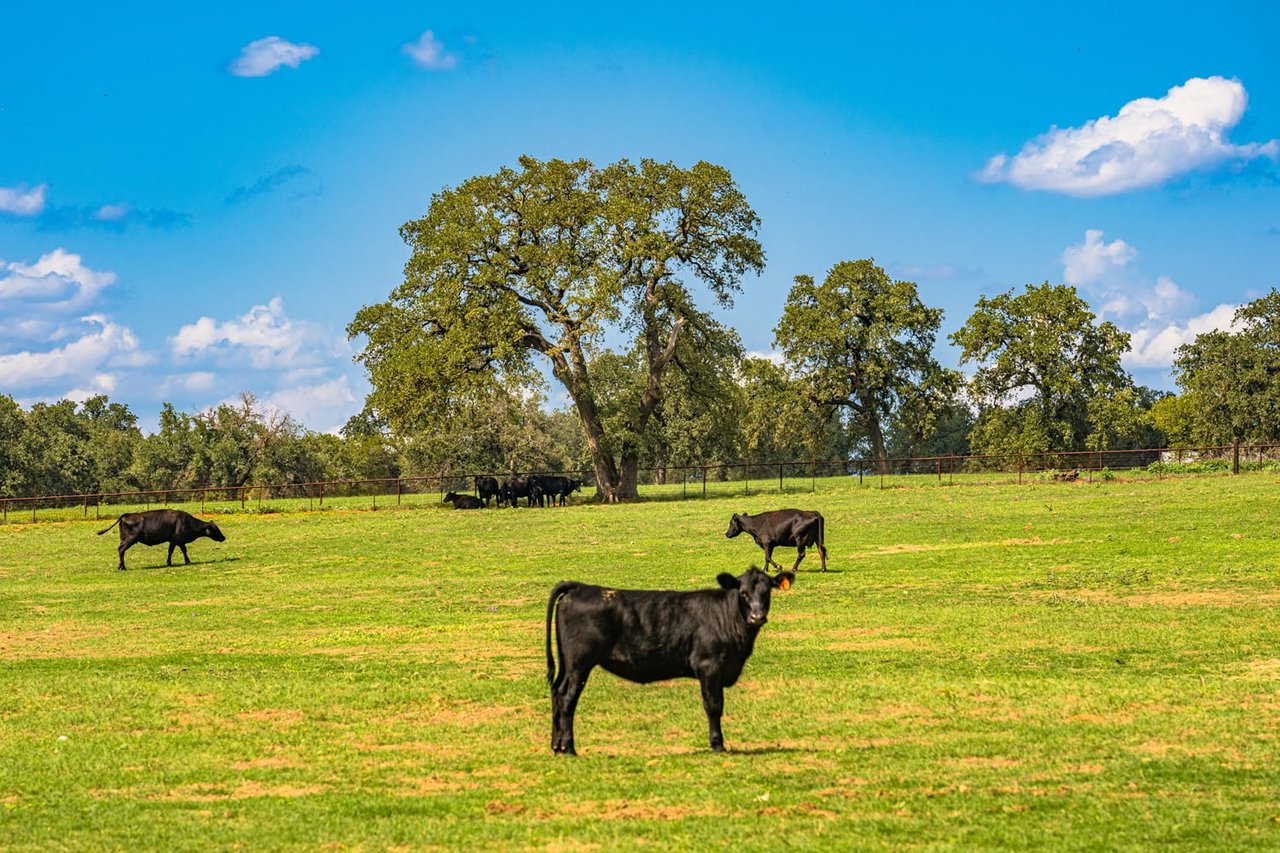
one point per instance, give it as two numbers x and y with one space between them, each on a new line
1063 666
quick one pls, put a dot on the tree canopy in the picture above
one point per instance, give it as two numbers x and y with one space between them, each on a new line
557 259
1234 377
1041 358
864 342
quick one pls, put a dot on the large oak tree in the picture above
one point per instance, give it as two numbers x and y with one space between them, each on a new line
556 260
1042 361
863 342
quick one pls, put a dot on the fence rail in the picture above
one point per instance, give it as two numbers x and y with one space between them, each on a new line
673 482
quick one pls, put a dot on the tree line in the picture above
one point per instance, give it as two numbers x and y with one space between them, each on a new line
598 283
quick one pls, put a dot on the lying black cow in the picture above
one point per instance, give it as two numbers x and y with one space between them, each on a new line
521 487
463 501
162 525
652 635
554 489
487 487
789 528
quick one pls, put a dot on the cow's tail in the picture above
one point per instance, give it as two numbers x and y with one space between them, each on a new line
556 591
109 526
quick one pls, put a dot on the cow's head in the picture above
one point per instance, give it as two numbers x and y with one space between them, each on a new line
575 485
211 530
735 526
754 590
451 497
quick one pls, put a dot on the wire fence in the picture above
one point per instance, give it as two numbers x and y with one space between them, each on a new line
673 482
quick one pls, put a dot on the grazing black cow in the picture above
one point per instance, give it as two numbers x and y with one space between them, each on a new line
651 635
554 488
521 487
487 487
162 525
463 501
789 528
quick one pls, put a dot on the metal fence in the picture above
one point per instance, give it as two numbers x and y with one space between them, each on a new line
675 482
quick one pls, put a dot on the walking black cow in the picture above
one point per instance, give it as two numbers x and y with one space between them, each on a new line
463 501
653 635
162 525
789 528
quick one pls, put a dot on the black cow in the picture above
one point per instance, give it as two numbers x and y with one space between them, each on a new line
652 635
487 487
162 525
521 487
463 501
555 488
789 528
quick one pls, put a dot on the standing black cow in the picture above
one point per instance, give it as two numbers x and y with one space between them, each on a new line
162 525
653 635
487 487
789 528
521 487
463 501
554 489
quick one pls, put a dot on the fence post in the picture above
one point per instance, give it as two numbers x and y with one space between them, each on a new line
1235 456
397 491
242 491
746 478
704 482
322 495
939 461
86 506
813 477
779 478
1019 467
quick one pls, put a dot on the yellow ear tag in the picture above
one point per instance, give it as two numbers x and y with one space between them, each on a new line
785 585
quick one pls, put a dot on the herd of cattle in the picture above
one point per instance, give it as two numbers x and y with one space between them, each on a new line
540 489
640 635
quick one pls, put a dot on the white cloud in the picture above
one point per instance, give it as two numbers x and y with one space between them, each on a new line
35 299
1154 344
324 407
772 355
1108 273
265 56
1148 142
428 52
21 201
1157 314
263 335
86 358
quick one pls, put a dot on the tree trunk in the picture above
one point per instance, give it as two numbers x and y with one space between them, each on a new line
629 477
875 435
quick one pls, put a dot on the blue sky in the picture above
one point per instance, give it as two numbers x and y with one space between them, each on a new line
195 199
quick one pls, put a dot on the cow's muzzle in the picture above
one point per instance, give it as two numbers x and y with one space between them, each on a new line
756 619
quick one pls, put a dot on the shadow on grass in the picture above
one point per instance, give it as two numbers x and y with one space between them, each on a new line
193 564
769 750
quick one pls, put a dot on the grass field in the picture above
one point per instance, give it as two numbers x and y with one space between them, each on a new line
1060 666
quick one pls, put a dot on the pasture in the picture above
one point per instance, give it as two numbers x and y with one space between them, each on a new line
1061 666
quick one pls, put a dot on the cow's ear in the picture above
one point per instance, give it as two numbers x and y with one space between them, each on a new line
783 580
727 581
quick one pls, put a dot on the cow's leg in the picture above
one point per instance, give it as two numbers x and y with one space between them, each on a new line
564 702
713 702
822 552
768 557
125 545
185 558
799 557
169 560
